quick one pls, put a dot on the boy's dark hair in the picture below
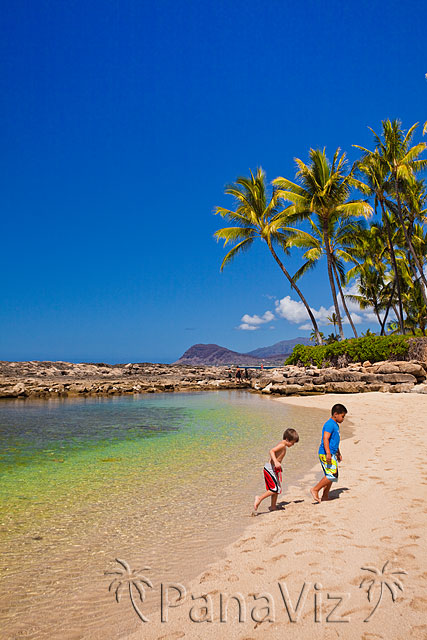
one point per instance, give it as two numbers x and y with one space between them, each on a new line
291 435
338 408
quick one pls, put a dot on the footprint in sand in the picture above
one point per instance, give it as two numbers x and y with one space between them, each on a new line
233 578
419 632
418 604
242 542
258 570
204 577
284 541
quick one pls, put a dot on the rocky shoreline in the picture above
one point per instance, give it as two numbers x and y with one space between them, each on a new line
65 379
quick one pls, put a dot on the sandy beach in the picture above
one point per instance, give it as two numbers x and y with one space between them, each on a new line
297 572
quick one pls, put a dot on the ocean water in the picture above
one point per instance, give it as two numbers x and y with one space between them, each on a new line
163 481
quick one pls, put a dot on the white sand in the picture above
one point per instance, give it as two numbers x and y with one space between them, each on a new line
378 515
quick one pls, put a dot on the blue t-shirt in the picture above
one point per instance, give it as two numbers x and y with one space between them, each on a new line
333 428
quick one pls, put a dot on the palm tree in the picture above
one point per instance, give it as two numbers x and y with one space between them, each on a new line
368 254
414 211
332 319
257 217
402 163
375 183
382 579
343 235
323 191
131 579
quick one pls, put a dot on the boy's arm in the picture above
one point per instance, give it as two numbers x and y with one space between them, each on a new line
273 452
326 437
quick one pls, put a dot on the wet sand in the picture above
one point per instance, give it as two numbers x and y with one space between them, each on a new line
297 572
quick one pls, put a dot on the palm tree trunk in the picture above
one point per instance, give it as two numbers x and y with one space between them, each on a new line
388 308
294 286
331 276
409 243
417 277
377 313
344 304
396 313
396 272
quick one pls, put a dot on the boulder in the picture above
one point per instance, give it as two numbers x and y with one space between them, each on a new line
419 388
292 389
398 378
383 388
388 367
413 368
345 387
341 376
405 387
19 390
370 378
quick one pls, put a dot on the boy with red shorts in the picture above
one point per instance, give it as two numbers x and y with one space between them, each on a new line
273 469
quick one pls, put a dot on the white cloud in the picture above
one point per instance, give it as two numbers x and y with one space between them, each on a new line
295 312
267 317
291 310
247 327
250 323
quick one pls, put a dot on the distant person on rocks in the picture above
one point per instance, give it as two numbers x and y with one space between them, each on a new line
273 470
329 452
238 375
247 375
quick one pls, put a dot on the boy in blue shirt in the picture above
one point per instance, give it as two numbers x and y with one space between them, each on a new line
329 452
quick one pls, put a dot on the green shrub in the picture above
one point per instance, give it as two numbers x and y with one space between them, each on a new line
372 348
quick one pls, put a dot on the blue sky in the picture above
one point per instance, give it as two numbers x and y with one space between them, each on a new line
121 123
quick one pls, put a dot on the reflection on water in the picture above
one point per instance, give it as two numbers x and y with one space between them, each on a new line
165 481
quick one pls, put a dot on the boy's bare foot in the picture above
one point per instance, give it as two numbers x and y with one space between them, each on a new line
256 503
272 508
315 495
325 498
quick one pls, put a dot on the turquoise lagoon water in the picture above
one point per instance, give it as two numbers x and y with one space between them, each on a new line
164 481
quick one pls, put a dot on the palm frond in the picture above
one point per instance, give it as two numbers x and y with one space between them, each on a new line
239 248
233 234
307 266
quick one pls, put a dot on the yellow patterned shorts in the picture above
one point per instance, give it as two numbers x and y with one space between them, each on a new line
330 470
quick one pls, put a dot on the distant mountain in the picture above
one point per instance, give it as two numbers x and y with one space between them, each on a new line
214 355
279 348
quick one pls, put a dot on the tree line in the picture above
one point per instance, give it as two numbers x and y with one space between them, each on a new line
377 240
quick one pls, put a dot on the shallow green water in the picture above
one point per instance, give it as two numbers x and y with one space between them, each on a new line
165 480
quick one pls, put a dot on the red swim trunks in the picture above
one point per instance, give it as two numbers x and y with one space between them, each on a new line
273 479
